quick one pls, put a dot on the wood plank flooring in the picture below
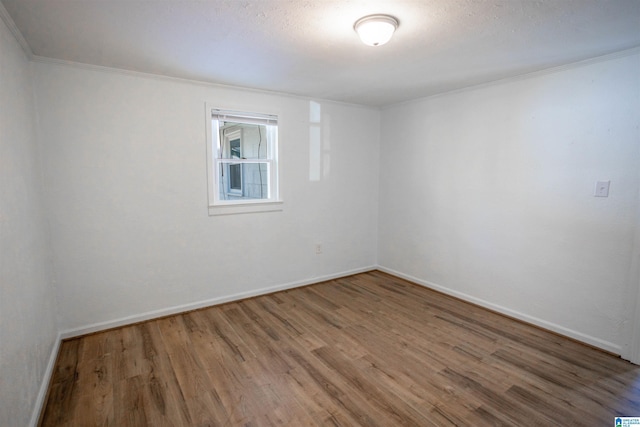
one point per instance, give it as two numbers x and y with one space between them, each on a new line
366 350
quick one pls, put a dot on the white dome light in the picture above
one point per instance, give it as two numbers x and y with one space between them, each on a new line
376 30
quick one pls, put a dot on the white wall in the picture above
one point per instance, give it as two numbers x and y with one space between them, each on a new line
487 194
125 166
28 328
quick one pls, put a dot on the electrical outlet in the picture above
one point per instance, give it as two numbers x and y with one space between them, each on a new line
602 189
318 248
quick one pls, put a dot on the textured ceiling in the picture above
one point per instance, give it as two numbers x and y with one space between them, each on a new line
309 47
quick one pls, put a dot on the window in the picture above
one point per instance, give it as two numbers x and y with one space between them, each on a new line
242 151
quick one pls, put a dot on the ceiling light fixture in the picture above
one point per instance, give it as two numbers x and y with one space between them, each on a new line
375 30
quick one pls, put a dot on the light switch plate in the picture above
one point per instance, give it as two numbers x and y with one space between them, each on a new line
602 189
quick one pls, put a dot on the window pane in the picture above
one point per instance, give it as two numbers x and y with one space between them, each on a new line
243 141
242 181
234 146
235 177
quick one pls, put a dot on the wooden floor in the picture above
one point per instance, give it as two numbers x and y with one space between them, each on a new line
369 350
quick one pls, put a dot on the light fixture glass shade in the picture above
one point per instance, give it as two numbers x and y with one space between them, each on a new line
376 30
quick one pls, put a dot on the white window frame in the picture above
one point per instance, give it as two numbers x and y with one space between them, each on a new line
215 162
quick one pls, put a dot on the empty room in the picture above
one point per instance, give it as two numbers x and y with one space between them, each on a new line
310 213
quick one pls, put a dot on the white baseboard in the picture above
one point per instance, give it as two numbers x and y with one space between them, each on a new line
96 327
128 320
46 379
596 342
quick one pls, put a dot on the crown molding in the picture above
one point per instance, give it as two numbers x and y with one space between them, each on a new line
190 81
8 21
524 76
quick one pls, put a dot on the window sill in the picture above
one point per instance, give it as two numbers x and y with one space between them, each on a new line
242 208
